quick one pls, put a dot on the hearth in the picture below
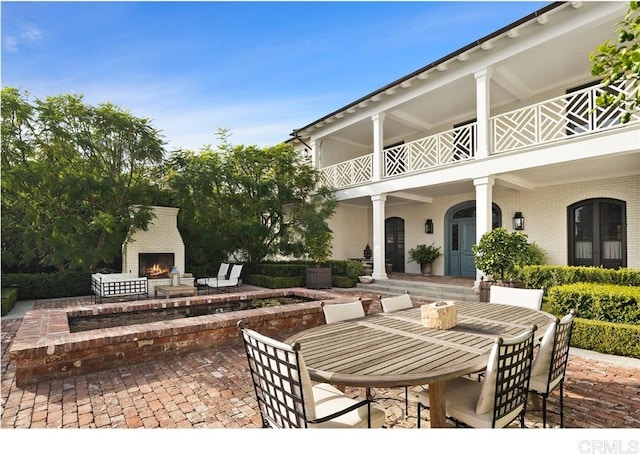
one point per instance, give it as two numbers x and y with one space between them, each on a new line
155 265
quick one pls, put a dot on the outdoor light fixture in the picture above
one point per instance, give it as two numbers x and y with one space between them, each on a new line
518 221
428 226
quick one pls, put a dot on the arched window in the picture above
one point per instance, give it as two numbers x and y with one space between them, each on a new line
598 233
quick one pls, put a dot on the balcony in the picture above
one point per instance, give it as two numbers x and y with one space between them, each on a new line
557 120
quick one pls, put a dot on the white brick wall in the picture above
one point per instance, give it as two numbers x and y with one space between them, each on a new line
162 236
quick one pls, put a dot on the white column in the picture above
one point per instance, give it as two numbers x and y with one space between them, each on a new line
379 268
313 154
483 108
378 144
484 199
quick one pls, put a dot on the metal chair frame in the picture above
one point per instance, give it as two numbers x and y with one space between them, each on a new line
557 367
512 380
277 383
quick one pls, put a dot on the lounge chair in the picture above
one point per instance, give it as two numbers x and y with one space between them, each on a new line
203 282
232 281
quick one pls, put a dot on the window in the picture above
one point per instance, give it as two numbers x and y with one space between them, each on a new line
597 233
582 114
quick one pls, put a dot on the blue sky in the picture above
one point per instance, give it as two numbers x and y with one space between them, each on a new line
260 69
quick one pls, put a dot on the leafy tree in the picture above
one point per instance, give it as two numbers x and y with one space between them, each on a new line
257 202
499 252
619 63
70 173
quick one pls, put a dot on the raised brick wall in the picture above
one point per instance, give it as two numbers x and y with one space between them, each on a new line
45 349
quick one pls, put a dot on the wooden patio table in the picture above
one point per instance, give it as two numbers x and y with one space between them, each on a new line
389 350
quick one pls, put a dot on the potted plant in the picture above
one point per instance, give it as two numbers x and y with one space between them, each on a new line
499 252
318 248
425 256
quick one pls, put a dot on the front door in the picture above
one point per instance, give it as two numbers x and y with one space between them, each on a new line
394 243
462 236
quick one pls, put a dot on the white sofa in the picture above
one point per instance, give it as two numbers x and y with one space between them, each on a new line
118 285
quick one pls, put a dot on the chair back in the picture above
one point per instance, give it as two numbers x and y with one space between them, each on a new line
396 303
236 269
553 354
282 386
342 311
506 385
223 270
524 297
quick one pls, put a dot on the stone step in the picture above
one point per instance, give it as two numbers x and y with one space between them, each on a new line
421 289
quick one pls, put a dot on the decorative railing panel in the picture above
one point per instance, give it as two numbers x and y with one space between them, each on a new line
561 118
445 148
349 173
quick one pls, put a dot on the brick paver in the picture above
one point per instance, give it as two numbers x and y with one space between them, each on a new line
212 389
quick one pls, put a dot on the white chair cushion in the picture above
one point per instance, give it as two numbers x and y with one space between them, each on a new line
329 400
396 303
342 311
524 297
542 361
487 393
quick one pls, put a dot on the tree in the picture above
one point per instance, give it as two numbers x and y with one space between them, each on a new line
499 252
70 173
257 202
619 63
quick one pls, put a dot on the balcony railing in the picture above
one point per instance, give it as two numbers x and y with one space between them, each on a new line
559 119
448 147
349 173
572 115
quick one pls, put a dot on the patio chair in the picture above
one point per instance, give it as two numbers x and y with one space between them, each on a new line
342 311
232 281
501 397
393 304
222 274
524 297
396 303
286 396
550 364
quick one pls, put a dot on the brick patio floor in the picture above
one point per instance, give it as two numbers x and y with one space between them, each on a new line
212 389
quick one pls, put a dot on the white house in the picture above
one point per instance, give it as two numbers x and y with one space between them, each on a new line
507 124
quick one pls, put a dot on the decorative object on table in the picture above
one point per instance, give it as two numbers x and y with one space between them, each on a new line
439 315
425 256
175 276
367 252
366 279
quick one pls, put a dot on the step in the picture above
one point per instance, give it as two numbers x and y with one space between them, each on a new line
421 289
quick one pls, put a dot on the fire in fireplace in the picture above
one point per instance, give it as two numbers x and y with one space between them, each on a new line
156 265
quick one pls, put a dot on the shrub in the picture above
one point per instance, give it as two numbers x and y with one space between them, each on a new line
9 298
53 285
606 337
605 302
547 276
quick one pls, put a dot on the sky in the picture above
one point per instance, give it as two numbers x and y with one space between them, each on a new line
259 69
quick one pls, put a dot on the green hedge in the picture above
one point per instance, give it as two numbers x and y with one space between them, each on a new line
344 273
9 298
53 285
548 276
606 337
604 302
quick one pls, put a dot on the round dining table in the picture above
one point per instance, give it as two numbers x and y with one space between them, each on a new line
388 350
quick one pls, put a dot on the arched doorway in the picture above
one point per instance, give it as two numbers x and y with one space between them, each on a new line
460 223
394 243
597 233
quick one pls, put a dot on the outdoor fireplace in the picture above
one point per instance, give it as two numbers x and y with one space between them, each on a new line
153 252
155 265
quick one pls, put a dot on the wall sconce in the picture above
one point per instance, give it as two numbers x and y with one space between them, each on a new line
428 226
518 221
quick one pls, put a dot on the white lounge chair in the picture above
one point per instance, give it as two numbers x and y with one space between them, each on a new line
223 270
232 281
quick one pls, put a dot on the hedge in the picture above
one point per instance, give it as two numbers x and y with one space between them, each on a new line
344 273
548 276
606 337
53 285
9 298
604 302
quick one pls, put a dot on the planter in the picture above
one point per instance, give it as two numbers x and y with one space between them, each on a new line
485 288
365 279
319 277
425 269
